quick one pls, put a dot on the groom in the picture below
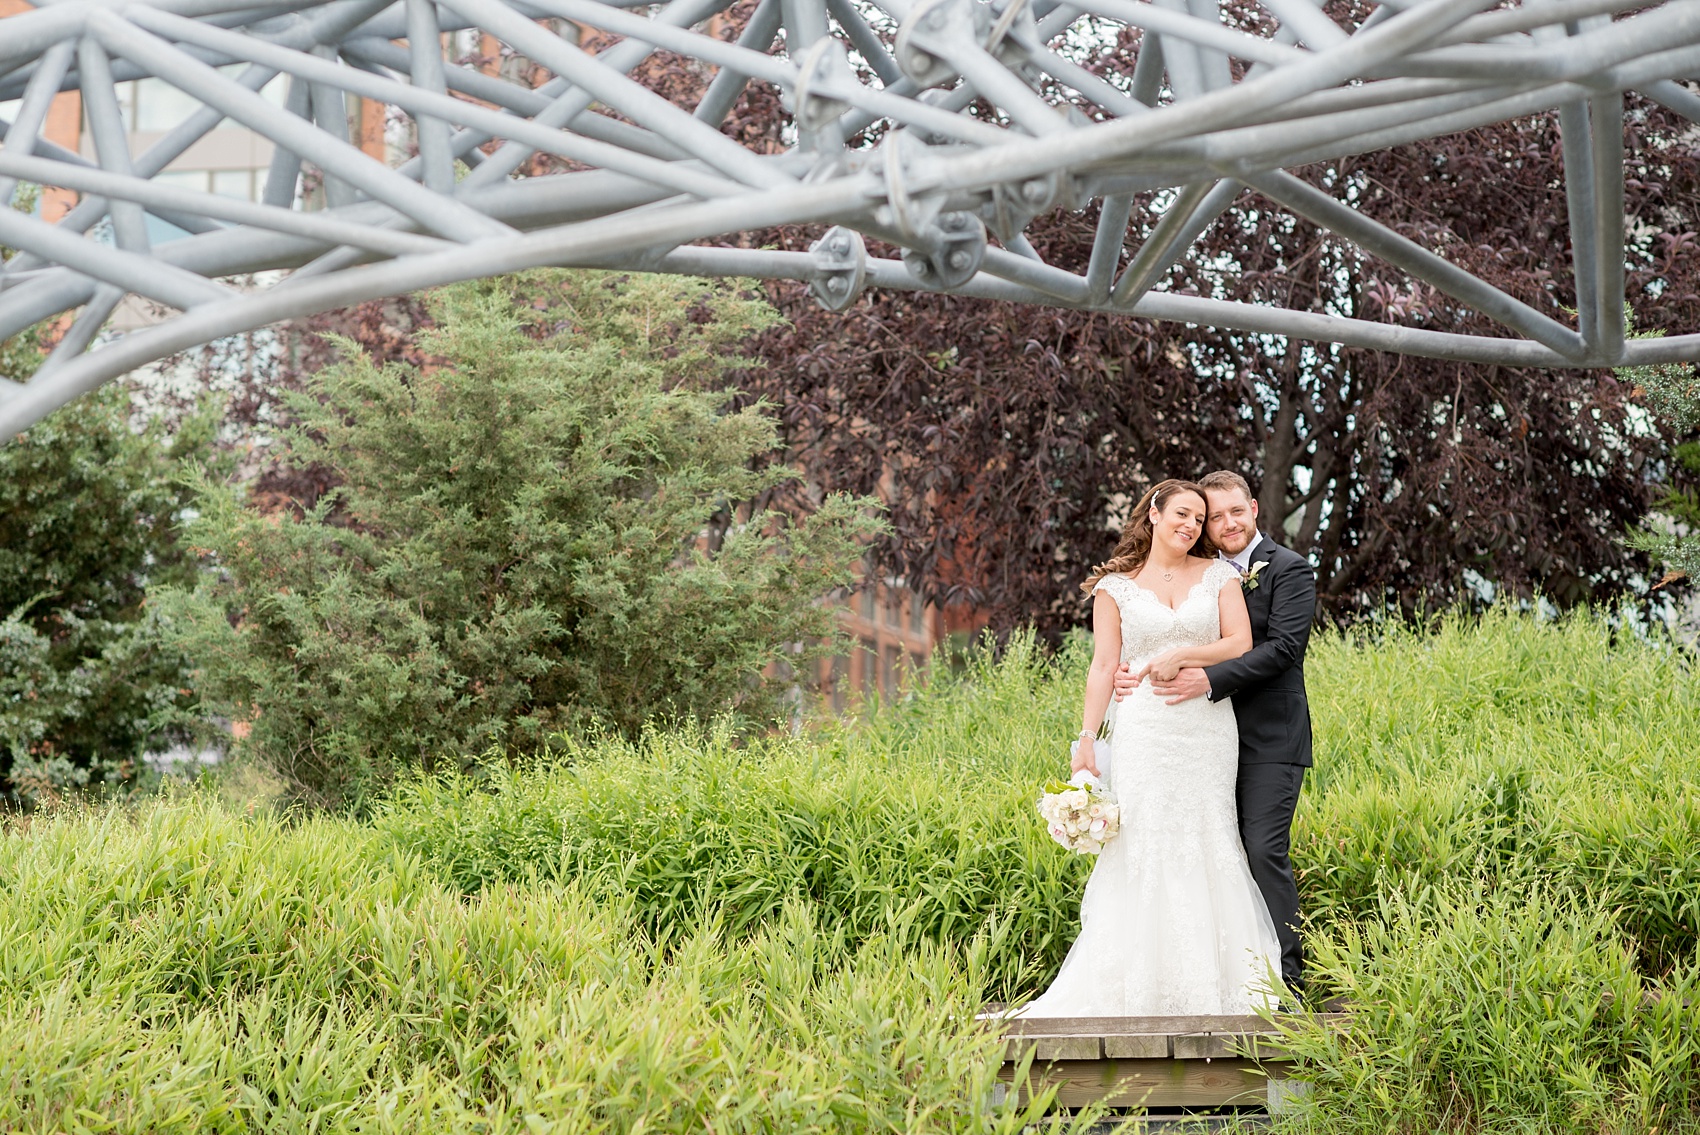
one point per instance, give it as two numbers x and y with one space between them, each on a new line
1267 685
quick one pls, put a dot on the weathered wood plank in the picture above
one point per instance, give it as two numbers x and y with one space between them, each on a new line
1123 1026
1263 1047
1207 1046
1150 1083
1137 1046
1145 1046
1152 1061
1054 1048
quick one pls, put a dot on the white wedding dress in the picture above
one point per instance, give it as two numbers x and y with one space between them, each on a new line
1172 923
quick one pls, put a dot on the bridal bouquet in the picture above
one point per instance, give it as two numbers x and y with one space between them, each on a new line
1080 815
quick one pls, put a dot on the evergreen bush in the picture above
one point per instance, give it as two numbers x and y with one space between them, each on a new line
1672 392
90 676
545 528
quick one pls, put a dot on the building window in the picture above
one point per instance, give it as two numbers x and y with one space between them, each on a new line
917 615
888 670
195 179
157 106
234 183
154 106
838 681
244 184
868 656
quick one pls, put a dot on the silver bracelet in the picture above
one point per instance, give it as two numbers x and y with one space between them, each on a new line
1085 735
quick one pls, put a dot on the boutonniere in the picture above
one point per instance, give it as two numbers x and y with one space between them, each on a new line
1248 579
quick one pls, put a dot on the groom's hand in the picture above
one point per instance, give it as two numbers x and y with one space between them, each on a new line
1188 684
1126 681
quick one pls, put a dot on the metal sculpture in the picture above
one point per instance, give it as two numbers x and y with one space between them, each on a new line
1207 111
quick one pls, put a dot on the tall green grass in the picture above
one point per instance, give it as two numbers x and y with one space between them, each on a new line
1499 851
919 819
1498 1009
185 969
1485 794
1564 750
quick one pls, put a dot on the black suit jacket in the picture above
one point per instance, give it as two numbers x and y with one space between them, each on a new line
1267 683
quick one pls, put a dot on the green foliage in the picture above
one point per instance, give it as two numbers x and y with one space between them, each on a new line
1500 858
922 819
1672 392
89 511
187 970
1678 551
517 544
1483 1008
22 353
1491 798
1499 854
1532 754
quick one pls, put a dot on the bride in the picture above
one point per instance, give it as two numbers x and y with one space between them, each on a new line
1171 923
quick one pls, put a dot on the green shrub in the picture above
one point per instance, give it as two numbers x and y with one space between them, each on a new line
517 544
1505 748
1671 536
89 676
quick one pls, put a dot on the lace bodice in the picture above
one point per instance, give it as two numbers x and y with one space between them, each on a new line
1149 627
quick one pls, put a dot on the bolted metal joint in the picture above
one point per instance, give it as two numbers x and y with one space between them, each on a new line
1012 36
923 39
1013 205
823 66
953 253
904 160
841 267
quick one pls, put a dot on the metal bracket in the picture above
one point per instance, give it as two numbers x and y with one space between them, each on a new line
824 63
902 159
954 247
1013 37
934 28
930 21
841 260
1013 205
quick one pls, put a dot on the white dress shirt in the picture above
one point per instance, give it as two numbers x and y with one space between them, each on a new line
1243 560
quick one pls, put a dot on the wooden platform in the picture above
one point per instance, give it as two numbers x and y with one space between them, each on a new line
1152 1062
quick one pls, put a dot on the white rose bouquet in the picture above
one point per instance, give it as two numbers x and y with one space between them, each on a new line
1080 814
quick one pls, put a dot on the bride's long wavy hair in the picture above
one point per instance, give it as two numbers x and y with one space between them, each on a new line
1134 548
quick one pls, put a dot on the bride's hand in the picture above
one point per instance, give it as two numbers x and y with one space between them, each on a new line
1084 758
1162 668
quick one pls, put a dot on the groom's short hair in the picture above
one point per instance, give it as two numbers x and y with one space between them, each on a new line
1228 479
